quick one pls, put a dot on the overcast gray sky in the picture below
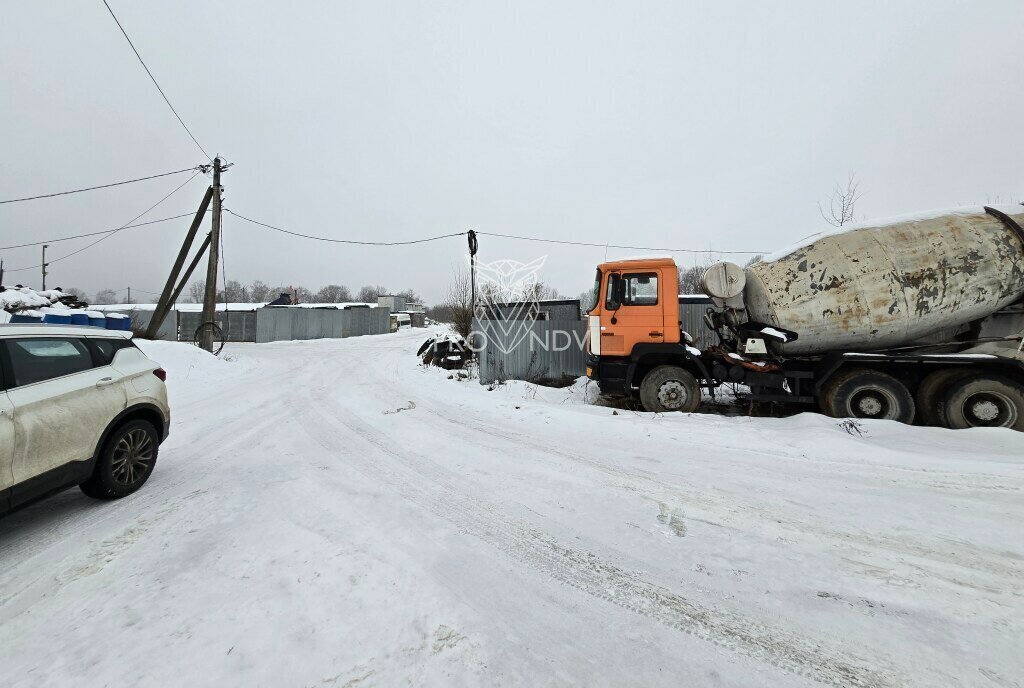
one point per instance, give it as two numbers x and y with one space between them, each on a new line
708 125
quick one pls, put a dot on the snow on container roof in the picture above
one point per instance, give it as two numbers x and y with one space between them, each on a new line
339 306
181 307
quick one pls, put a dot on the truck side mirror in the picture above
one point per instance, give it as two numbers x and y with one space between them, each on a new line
614 300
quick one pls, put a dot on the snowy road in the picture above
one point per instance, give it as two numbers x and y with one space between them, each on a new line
330 514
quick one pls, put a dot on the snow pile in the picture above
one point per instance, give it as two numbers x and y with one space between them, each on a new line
14 299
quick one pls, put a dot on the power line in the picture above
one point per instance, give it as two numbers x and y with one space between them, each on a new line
494 234
101 186
345 241
153 78
631 248
105 231
112 232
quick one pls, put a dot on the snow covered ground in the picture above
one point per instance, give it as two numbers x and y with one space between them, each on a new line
328 513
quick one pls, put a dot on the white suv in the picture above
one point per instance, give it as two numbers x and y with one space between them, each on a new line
78 406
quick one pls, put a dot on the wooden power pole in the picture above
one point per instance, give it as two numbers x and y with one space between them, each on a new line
169 295
43 266
210 297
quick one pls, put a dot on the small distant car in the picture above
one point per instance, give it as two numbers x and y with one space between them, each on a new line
78 406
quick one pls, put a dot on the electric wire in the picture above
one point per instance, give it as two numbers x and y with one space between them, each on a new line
101 186
632 248
344 241
105 231
155 83
111 233
494 234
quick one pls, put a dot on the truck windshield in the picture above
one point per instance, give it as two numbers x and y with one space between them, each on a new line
595 295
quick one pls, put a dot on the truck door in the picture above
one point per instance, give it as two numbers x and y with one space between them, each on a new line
635 316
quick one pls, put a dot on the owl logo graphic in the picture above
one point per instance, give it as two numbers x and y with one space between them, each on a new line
507 300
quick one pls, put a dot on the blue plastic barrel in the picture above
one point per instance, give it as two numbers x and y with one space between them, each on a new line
116 321
79 318
96 319
57 318
126 323
25 319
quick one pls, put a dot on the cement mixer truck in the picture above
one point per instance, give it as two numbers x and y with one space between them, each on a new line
917 319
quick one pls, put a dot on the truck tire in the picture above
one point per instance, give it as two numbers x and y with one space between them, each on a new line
985 401
931 395
863 393
669 388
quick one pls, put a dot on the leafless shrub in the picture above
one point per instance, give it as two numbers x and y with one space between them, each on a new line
843 202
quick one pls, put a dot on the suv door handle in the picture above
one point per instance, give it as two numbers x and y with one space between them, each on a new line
104 381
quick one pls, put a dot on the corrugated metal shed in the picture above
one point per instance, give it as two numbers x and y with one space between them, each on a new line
550 309
692 308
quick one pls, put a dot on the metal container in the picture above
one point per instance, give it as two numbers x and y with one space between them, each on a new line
884 285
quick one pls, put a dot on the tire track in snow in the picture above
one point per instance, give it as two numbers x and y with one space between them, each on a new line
1011 574
426 484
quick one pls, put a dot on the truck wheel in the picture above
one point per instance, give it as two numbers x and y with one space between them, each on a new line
931 395
669 388
864 393
985 401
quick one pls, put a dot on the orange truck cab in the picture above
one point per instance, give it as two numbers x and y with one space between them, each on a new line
635 343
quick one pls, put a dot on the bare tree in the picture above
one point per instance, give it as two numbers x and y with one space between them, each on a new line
76 292
586 299
410 296
843 202
540 292
458 302
196 291
334 293
105 296
690 278
233 292
369 293
260 292
303 295
753 259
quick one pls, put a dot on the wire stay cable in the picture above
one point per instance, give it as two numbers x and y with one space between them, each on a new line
155 83
112 232
101 186
344 241
105 231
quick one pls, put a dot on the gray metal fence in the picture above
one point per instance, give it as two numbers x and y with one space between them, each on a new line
238 326
140 321
274 324
536 351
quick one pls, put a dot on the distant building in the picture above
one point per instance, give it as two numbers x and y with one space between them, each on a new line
285 299
392 302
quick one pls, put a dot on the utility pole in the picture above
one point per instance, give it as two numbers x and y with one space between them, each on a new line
210 297
128 299
43 266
